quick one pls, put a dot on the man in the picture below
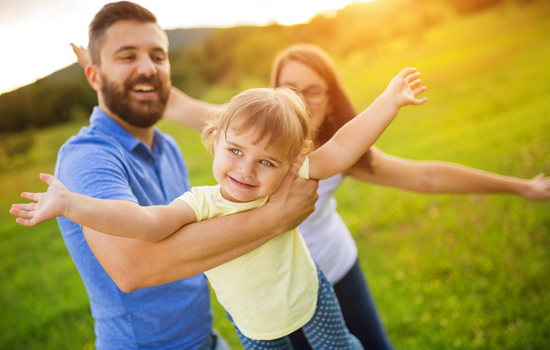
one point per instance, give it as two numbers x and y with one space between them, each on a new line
122 156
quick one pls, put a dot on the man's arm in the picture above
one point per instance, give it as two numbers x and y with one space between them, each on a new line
201 246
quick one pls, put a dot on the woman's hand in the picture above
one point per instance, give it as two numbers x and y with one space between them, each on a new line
538 188
404 88
81 55
48 205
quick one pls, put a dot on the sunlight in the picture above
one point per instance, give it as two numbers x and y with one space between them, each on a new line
302 11
43 35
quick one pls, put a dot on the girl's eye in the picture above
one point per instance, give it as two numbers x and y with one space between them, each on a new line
237 152
264 162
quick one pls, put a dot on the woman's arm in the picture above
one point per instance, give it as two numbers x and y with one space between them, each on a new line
113 217
188 111
359 134
446 177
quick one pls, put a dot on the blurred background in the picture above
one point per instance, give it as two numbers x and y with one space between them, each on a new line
446 271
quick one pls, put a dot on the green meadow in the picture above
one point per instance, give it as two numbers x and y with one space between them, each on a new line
446 271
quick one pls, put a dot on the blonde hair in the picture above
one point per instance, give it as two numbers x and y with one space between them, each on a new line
276 114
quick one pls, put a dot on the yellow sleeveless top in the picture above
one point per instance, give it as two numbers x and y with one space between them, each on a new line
271 291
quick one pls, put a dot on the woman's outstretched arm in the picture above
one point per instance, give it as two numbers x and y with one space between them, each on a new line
446 177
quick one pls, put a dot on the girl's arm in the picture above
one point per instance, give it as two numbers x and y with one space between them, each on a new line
181 108
359 134
114 217
445 177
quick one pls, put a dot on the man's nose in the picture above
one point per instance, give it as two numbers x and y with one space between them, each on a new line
146 66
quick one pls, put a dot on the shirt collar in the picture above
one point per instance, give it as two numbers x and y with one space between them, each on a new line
101 122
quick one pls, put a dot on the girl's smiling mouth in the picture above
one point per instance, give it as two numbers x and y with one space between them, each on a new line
240 184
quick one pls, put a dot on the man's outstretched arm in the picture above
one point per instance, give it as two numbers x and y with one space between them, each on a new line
201 246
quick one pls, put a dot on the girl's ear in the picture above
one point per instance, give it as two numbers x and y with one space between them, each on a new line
214 140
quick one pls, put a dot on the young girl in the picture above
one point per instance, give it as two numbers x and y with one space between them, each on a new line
277 288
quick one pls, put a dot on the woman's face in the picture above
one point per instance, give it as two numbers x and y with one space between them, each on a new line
313 87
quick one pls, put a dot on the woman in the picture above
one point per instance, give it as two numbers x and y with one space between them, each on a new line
309 70
311 73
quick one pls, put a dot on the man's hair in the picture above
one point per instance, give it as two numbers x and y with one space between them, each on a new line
276 115
109 15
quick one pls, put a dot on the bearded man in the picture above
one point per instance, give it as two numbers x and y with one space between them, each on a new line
146 295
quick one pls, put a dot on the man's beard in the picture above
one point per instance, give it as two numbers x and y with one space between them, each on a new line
139 113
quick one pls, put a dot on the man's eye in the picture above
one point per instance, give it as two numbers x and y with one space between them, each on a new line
237 152
264 162
159 58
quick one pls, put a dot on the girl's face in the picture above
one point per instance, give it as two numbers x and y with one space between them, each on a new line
247 171
313 87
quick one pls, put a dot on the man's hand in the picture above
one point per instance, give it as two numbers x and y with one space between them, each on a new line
295 199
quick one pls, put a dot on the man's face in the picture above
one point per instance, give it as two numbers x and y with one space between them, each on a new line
134 74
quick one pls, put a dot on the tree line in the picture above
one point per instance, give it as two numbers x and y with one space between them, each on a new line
205 57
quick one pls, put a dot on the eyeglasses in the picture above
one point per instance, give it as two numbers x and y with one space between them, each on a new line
313 94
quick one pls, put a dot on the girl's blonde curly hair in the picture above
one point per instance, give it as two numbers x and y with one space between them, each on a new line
276 114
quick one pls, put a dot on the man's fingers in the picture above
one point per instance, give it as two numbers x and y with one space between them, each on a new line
292 173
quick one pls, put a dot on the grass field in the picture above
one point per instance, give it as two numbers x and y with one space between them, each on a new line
446 271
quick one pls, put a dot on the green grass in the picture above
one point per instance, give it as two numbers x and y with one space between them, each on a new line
446 271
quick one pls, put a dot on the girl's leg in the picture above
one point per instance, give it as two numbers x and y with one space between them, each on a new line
359 313
359 310
327 329
252 344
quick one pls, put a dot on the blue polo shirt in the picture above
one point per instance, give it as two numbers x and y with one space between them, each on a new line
104 161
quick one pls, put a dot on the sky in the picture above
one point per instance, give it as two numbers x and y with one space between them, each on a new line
35 34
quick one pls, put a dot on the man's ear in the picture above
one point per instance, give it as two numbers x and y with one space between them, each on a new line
92 75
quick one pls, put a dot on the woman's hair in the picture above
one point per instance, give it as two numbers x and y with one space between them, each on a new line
339 103
109 15
276 114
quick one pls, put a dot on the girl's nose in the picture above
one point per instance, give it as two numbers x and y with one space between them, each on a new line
246 169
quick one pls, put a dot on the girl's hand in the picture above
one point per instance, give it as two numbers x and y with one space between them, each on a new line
48 205
538 189
404 88
81 55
